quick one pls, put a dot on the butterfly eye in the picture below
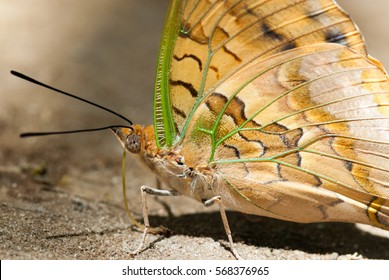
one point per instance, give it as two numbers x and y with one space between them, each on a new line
133 143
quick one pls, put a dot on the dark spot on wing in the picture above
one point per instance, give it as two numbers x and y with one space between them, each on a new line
216 70
336 37
191 56
289 46
249 11
348 165
226 50
314 14
188 86
179 112
267 31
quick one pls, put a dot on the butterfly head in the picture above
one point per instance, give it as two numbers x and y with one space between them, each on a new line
130 137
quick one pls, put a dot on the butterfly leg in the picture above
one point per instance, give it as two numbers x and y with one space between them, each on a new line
145 190
222 210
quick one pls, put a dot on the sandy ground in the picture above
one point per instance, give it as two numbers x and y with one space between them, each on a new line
60 196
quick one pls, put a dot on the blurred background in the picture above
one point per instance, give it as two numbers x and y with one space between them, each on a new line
104 51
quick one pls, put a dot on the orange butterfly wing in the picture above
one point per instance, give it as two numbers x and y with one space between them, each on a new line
217 38
305 129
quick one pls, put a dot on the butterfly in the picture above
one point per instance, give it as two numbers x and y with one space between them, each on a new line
271 108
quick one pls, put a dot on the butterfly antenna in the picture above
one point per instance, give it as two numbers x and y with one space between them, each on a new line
34 134
29 79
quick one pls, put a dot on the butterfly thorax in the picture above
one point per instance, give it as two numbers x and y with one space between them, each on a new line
168 164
